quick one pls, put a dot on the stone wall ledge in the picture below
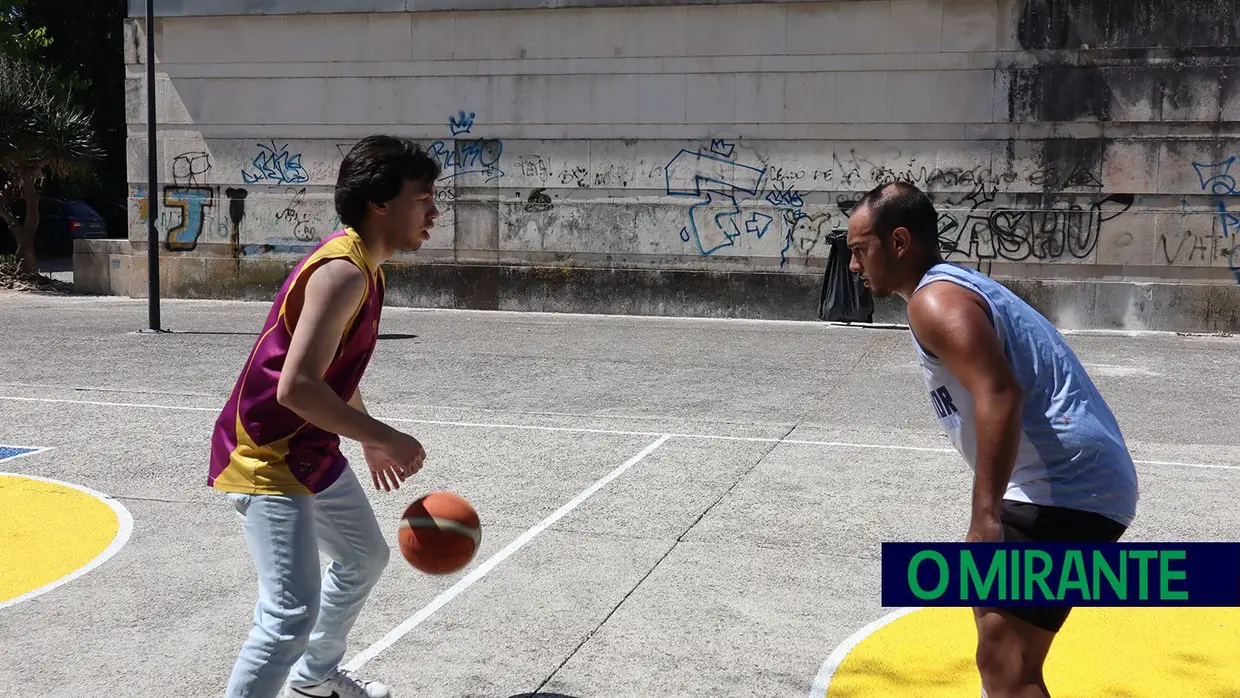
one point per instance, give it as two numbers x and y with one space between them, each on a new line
118 267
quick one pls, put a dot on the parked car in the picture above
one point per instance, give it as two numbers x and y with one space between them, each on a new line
61 221
115 215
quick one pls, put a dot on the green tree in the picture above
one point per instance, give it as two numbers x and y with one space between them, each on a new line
82 43
55 56
16 38
42 133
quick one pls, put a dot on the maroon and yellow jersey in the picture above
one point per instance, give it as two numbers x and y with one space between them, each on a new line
262 447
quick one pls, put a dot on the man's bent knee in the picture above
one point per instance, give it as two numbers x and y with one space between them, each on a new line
290 623
1010 654
370 563
999 651
378 561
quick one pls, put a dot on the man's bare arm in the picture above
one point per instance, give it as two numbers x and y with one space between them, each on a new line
355 400
953 324
332 295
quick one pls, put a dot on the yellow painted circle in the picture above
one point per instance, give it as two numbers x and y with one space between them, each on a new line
51 532
1130 652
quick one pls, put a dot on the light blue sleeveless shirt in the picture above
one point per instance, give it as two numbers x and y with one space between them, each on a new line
1072 453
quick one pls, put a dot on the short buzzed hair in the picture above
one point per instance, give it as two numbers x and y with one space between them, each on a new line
902 205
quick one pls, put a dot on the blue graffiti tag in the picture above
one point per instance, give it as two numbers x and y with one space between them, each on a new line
785 198
758 224
460 158
276 165
192 202
461 123
790 202
688 171
719 146
1221 183
472 157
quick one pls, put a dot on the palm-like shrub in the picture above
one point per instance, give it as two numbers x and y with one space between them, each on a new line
42 133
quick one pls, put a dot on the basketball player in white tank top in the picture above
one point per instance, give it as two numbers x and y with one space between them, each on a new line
1049 460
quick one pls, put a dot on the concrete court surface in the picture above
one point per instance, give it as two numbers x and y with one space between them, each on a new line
730 559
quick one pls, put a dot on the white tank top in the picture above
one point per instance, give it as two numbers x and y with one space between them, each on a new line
1072 453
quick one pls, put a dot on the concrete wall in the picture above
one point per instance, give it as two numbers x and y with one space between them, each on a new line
207 8
695 158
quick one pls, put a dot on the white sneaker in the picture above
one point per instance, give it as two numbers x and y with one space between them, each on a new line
342 684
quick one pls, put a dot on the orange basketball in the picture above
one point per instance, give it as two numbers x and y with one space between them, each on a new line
439 533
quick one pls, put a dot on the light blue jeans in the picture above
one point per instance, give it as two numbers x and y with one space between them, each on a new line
301 622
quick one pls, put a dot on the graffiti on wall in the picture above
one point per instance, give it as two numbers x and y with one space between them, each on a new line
1042 228
459 157
195 210
295 214
716 181
1217 180
790 204
236 213
461 123
190 204
190 169
982 216
725 197
275 165
187 201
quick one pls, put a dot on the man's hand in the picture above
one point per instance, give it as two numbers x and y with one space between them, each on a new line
390 463
984 529
392 468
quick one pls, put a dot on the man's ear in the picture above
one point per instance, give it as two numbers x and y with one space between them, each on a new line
901 240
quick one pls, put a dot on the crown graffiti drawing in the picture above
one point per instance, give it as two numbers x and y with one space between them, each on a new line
461 123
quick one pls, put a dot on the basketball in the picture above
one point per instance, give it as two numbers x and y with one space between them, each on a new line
439 533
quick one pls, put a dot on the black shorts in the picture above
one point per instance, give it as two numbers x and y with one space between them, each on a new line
1023 522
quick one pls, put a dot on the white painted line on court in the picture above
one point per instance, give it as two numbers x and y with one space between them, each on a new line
819 688
452 592
90 389
123 531
1119 371
523 427
607 432
1215 466
98 403
558 315
564 318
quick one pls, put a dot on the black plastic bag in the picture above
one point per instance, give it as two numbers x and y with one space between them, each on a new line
844 297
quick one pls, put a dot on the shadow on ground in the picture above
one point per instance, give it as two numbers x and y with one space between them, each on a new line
221 333
55 265
248 333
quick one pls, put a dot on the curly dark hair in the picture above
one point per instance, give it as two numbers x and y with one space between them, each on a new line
375 170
